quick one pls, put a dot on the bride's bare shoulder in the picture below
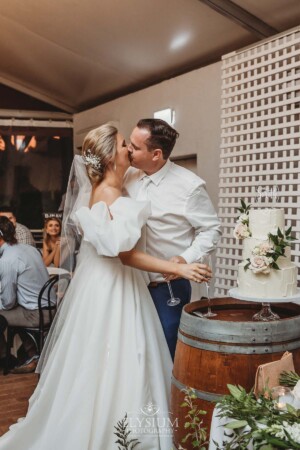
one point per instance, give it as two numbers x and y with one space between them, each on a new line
107 194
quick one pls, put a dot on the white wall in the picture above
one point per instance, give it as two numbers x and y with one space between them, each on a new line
196 99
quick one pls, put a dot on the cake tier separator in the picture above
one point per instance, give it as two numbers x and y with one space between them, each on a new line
234 293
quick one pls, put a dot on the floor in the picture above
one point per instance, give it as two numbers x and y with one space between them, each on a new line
15 391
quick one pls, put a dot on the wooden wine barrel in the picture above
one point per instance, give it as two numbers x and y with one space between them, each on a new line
227 349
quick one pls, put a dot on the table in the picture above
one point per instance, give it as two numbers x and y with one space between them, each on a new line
57 271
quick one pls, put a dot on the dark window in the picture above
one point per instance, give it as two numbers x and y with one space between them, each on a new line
34 169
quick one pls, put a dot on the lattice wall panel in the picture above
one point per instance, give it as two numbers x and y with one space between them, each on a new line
260 141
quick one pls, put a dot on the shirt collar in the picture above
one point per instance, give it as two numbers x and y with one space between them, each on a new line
2 248
159 175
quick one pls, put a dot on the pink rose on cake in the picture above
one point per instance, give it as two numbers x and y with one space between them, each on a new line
263 249
259 264
266 248
241 231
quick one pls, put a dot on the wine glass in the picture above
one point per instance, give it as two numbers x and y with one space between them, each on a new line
206 259
172 301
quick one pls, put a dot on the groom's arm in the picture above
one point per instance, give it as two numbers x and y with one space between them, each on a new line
202 216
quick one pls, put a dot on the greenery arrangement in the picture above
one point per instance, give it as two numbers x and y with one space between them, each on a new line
197 434
244 209
289 379
123 436
258 421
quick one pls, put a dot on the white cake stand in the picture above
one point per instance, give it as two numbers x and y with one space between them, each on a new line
265 314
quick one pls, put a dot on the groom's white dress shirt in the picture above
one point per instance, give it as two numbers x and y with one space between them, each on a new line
183 220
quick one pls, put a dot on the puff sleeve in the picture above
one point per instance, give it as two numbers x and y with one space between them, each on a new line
119 233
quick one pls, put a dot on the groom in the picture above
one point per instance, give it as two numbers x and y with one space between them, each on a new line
183 224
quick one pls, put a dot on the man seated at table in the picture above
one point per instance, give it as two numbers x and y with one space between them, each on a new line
22 275
23 234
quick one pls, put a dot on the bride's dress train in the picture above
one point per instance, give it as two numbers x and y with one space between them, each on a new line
106 355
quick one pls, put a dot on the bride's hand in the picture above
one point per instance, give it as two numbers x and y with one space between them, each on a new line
176 259
195 272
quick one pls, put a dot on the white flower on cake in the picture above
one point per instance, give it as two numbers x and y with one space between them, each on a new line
241 231
259 264
255 251
265 248
243 218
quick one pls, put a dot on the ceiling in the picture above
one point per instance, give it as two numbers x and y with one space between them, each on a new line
75 54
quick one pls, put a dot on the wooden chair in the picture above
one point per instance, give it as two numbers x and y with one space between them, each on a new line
46 316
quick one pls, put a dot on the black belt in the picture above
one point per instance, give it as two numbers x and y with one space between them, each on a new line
155 284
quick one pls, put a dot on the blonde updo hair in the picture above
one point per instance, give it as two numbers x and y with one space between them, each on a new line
101 143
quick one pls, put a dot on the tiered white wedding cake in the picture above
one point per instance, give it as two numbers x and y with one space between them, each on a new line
266 271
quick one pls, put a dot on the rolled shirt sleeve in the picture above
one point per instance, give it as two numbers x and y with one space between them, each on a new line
202 216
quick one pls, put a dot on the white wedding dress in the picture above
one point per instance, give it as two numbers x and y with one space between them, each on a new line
107 354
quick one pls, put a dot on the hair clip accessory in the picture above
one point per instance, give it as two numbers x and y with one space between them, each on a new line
91 160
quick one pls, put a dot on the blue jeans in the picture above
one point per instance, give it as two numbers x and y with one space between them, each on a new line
170 315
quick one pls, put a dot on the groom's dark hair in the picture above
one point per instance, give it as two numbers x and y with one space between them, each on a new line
162 135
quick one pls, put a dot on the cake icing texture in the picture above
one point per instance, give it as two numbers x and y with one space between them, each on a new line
265 221
266 271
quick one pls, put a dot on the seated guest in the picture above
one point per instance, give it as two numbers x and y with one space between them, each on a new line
51 242
23 234
22 275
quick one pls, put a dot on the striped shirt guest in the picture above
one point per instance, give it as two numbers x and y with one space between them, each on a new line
22 275
23 234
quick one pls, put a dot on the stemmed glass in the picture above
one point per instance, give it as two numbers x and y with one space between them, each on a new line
265 314
173 301
206 259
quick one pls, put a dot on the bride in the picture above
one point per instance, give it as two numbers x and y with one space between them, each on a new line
106 355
